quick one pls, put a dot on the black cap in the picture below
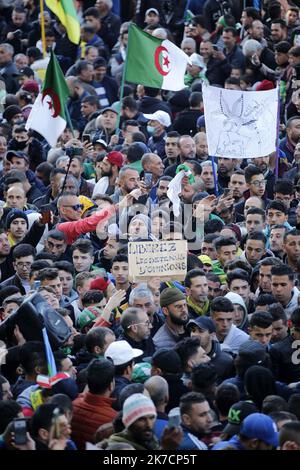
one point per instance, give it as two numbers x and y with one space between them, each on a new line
237 413
16 153
252 351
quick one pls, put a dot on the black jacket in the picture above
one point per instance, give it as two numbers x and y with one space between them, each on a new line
222 361
185 122
149 105
146 345
217 71
284 367
13 281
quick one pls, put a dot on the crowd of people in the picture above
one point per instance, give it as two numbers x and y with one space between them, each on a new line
210 362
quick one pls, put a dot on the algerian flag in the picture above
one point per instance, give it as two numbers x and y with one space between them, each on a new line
48 115
154 62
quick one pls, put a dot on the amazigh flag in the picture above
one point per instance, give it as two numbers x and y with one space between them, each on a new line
66 12
49 354
154 62
48 116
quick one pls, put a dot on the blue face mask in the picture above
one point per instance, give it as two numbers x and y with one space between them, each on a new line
150 130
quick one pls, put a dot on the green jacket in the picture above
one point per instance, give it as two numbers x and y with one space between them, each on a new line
126 437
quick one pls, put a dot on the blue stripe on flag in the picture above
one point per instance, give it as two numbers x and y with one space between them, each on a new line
50 358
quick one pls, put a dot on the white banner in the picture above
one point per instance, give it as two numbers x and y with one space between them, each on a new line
240 124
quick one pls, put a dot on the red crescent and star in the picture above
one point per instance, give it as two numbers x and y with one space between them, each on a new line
166 62
54 103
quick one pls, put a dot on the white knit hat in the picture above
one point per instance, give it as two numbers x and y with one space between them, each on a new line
136 406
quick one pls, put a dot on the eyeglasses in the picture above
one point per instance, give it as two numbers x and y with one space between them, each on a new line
20 264
75 207
147 323
259 183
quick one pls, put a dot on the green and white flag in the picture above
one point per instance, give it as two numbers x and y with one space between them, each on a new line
154 62
48 115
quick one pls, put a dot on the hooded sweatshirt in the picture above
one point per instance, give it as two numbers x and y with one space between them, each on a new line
237 299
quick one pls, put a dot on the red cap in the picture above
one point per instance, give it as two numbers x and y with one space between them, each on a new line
265 85
99 284
115 158
32 86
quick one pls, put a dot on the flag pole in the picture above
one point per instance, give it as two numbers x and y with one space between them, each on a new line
122 86
215 176
277 133
43 28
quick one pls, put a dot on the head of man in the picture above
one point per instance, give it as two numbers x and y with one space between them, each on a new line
89 105
264 280
66 273
282 281
277 213
174 306
291 245
19 160
237 184
171 145
55 243
289 436
152 163
279 322
16 198
139 415
69 207
255 220
214 285
222 313
23 257
142 298
206 49
98 339
196 286
109 119
6 53
162 187
119 269
187 148
255 247
191 353
201 145
253 202
226 249
229 38
207 246
239 283
256 30
277 234
196 413
188 46
226 166
136 324
43 424
284 191
278 31
258 432
50 277
128 179
255 180
82 255
207 175
260 327
17 224
203 328
293 129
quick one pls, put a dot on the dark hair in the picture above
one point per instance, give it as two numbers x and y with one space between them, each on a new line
120 259
282 47
9 410
47 274
62 401
284 186
213 277
65 266
32 355
92 11
261 320
212 226
195 99
278 206
259 236
100 374
84 246
210 237
281 22
43 417
223 241
270 261
295 317
186 348
129 390
191 274
294 404
250 171
96 337
278 313
188 400
238 264
283 270
290 431
256 210
237 274
120 369
92 297
57 171
252 13
221 304
57 235
259 383
91 99
273 403
24 249
38 265
264 299
203 377
233 81
227 395
293 233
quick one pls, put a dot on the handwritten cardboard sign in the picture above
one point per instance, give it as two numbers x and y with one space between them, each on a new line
164 259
